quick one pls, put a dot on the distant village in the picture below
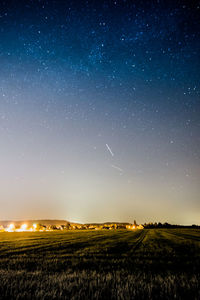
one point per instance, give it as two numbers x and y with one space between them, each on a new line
23 227
62 225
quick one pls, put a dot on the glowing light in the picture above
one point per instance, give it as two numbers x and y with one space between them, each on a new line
23 227
132 227
10 228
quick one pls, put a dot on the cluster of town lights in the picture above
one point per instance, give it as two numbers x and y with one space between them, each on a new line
23 227
131 227
38 227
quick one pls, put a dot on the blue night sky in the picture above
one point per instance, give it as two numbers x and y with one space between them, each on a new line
100 110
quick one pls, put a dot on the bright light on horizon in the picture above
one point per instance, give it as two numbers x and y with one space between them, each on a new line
23 227
10 228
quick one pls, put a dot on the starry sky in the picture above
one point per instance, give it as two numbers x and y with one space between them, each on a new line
100 110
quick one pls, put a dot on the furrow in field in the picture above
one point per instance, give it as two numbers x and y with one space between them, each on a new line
140 240
184 235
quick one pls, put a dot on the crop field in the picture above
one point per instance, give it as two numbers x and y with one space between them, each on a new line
104 264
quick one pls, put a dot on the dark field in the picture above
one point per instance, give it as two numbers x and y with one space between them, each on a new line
142 264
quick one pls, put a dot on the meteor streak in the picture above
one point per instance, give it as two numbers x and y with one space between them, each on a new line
109 150
117 168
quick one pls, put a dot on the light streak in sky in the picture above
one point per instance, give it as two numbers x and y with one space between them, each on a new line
117 168
109 149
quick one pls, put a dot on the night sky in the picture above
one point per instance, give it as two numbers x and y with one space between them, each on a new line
100 110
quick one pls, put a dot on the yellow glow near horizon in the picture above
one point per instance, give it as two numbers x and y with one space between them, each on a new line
11 228
23 227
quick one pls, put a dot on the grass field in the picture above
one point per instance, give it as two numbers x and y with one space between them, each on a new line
142 264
